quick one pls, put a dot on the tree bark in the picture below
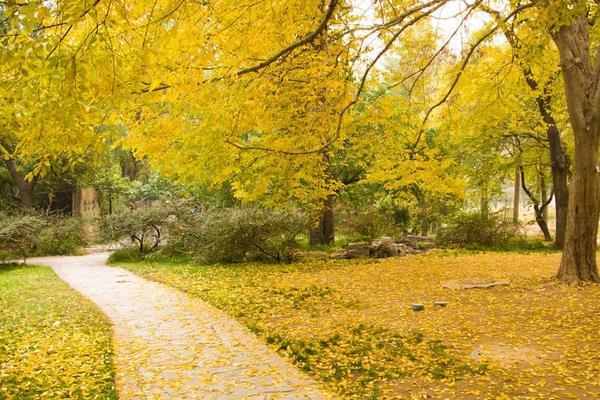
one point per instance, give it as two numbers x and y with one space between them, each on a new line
24 187
560 164
582 89
484 201
517 196
543 194
324 233
579 254
537 208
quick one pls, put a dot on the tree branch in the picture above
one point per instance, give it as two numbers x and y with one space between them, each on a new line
301 42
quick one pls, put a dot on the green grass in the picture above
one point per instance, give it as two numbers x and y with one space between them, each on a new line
54 344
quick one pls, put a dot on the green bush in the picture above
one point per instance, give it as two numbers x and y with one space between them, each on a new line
62 235
128 254
145 226
472 230
371 224
238 234
29 234
19 234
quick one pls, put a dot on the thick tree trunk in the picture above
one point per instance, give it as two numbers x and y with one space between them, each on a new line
26 194
582 89
324 233
517 196
579 254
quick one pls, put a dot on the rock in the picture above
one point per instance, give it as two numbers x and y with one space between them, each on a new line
383 247
403 249
357 253
339 255
475 284
417 242
417 238
507 355
357 250
357 245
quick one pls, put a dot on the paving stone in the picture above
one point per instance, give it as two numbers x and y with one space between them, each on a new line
169 345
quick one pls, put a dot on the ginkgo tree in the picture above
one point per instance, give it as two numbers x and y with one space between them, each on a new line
496 128
275 129
53 90
257 94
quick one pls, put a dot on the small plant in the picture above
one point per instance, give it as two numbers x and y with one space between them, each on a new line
28 234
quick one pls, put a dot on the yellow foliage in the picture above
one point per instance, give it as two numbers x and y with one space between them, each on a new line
54 344
350 323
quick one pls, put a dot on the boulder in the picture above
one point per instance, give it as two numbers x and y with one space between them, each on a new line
383 247
357 250
339 255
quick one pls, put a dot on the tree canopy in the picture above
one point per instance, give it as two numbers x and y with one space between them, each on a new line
289 103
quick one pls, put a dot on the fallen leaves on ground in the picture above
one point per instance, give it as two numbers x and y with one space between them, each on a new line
54 344
350 323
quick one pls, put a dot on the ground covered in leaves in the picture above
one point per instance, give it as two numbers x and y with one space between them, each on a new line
54 344
350 324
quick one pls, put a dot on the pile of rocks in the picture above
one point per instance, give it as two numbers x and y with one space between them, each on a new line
386 247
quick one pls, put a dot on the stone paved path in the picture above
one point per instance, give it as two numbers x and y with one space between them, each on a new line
171 346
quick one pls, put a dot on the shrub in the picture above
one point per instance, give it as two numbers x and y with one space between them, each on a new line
145 226
39 234
238 234
371 224
19 233
471 229
125 255
62 235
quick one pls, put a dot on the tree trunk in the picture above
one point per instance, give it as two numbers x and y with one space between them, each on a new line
537 208
539 218
560 172
579 255
516 196
484 201
582 89
324 233
24 187
559 159
544 195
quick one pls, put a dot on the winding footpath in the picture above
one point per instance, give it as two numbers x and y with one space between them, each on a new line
169 345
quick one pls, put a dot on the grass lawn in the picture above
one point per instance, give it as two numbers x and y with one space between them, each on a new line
349 323
54 344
